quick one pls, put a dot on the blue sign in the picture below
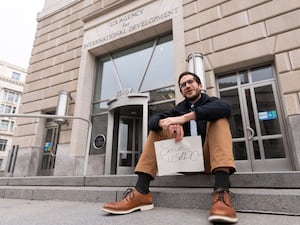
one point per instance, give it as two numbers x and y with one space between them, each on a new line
47 147
268 115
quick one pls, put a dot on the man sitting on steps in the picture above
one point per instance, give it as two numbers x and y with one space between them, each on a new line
198 114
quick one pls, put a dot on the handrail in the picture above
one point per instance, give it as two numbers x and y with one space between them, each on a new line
87 150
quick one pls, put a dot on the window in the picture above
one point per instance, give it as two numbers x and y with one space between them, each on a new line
15 76
10 96
3 143
142 68
7 109
11 125
17 97
4 125
4 95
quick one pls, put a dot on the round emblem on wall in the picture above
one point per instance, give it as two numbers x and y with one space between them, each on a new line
99 141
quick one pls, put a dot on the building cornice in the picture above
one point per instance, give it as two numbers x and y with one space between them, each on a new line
11 81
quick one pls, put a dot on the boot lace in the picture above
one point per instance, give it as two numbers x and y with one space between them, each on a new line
128 194
221 196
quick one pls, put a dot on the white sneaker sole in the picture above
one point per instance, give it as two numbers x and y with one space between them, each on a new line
141 208
222 219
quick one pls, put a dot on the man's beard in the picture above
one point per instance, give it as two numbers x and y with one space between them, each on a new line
194 97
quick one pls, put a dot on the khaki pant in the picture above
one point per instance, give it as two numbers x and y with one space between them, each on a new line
217 149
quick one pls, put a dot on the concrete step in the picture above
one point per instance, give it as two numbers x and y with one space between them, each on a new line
273 201
273 193
238 180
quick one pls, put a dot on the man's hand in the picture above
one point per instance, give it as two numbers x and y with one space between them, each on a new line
173 124
164 123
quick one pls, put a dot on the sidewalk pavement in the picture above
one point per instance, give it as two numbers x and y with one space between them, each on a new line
33 212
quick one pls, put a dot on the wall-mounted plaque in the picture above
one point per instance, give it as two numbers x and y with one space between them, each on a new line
99 141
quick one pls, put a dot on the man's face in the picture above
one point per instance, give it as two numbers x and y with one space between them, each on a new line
189 88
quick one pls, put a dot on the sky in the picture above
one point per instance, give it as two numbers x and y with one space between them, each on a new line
17 30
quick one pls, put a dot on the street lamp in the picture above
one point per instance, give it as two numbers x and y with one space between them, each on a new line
62 106
195 65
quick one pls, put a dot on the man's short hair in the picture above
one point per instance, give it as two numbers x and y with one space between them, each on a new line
197 79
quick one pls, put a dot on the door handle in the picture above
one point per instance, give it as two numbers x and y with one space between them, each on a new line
251 133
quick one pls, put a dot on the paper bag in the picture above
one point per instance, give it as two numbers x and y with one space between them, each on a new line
183 156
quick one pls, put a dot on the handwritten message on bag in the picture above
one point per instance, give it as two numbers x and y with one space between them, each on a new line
183 156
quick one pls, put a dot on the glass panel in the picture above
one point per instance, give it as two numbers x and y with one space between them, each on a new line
267 113
256 150
123 136
15 76
239 151
274 148
3 143
162 94
7 109
10 97
159 108
227 81
125 159
11 126
244 77
100 107
250 110
17 97
235 120
131 64
161 69
262 73
4 95
45 162
107 84
4 125
52 162
49 135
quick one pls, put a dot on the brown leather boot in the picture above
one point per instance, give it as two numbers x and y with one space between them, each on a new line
132 201
222 210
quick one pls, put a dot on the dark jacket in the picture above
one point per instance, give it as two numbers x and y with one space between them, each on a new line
206 108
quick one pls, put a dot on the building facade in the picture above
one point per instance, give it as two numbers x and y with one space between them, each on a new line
12 81
119 61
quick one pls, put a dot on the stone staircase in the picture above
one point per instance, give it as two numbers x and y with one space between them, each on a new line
271 193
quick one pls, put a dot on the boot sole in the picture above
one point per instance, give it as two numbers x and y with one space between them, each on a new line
222 219
141 208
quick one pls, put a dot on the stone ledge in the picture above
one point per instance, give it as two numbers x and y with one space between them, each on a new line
277 201
238 180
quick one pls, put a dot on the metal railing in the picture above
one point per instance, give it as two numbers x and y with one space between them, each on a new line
46 116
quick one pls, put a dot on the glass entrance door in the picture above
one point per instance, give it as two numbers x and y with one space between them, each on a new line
129 144
49 150
259 140
264 139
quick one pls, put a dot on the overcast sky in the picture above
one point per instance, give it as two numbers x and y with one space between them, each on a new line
18 26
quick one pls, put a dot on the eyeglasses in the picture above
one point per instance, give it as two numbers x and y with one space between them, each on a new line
189 82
